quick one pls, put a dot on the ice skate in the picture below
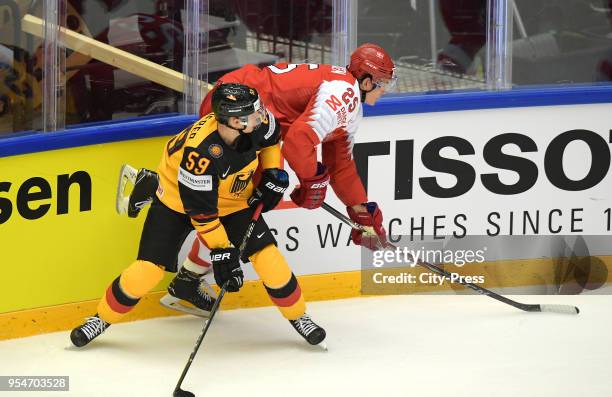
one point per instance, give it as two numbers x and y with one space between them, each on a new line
190 287
91 329
309 330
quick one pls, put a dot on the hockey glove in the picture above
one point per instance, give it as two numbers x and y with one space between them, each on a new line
143 192
226 267
372 219
270 189
311 192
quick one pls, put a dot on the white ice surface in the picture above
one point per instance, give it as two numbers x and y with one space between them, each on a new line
385 346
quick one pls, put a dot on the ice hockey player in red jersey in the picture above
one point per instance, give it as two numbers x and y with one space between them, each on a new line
318 104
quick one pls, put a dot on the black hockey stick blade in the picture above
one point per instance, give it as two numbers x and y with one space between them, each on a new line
182 393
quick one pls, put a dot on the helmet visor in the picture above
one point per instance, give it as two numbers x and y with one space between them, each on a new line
389 85
260 112
258 116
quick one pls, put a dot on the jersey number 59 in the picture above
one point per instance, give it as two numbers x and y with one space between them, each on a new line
196 164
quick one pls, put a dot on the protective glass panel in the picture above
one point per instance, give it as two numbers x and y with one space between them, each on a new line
21 69
436 44
263 32
101 86
562 41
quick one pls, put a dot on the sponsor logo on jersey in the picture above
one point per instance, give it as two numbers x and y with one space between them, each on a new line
202 183
241 181
215 150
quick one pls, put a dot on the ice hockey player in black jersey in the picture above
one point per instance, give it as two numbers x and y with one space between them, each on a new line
207 181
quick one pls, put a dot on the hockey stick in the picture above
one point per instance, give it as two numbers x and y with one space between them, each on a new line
565 309
178 392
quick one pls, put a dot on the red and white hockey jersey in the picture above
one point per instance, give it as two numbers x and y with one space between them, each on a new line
314 104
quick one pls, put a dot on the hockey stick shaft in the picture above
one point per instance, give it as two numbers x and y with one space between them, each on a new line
215 308
567 309
208 321
251 227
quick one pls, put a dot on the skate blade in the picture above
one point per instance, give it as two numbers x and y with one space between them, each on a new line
127 174
180 305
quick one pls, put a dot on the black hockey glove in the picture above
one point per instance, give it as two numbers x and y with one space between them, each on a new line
270 189
226 267
143 192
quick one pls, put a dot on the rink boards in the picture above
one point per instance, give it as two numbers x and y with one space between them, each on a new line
510 170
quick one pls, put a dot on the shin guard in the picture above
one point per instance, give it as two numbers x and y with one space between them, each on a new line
281 285
126 290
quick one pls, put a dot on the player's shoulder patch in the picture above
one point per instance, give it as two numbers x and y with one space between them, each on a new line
215 150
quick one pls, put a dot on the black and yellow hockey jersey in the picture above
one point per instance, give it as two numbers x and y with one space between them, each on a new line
203 177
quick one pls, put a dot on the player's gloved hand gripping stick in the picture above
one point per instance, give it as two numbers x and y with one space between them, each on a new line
566 309
371 233
178 392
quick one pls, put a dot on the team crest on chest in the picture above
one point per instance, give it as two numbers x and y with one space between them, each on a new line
240 182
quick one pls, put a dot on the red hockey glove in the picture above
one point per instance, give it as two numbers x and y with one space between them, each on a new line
311 192
371 219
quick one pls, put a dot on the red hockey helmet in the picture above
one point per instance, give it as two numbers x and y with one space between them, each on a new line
375 61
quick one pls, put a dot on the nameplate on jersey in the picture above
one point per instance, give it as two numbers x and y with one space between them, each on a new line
202 183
